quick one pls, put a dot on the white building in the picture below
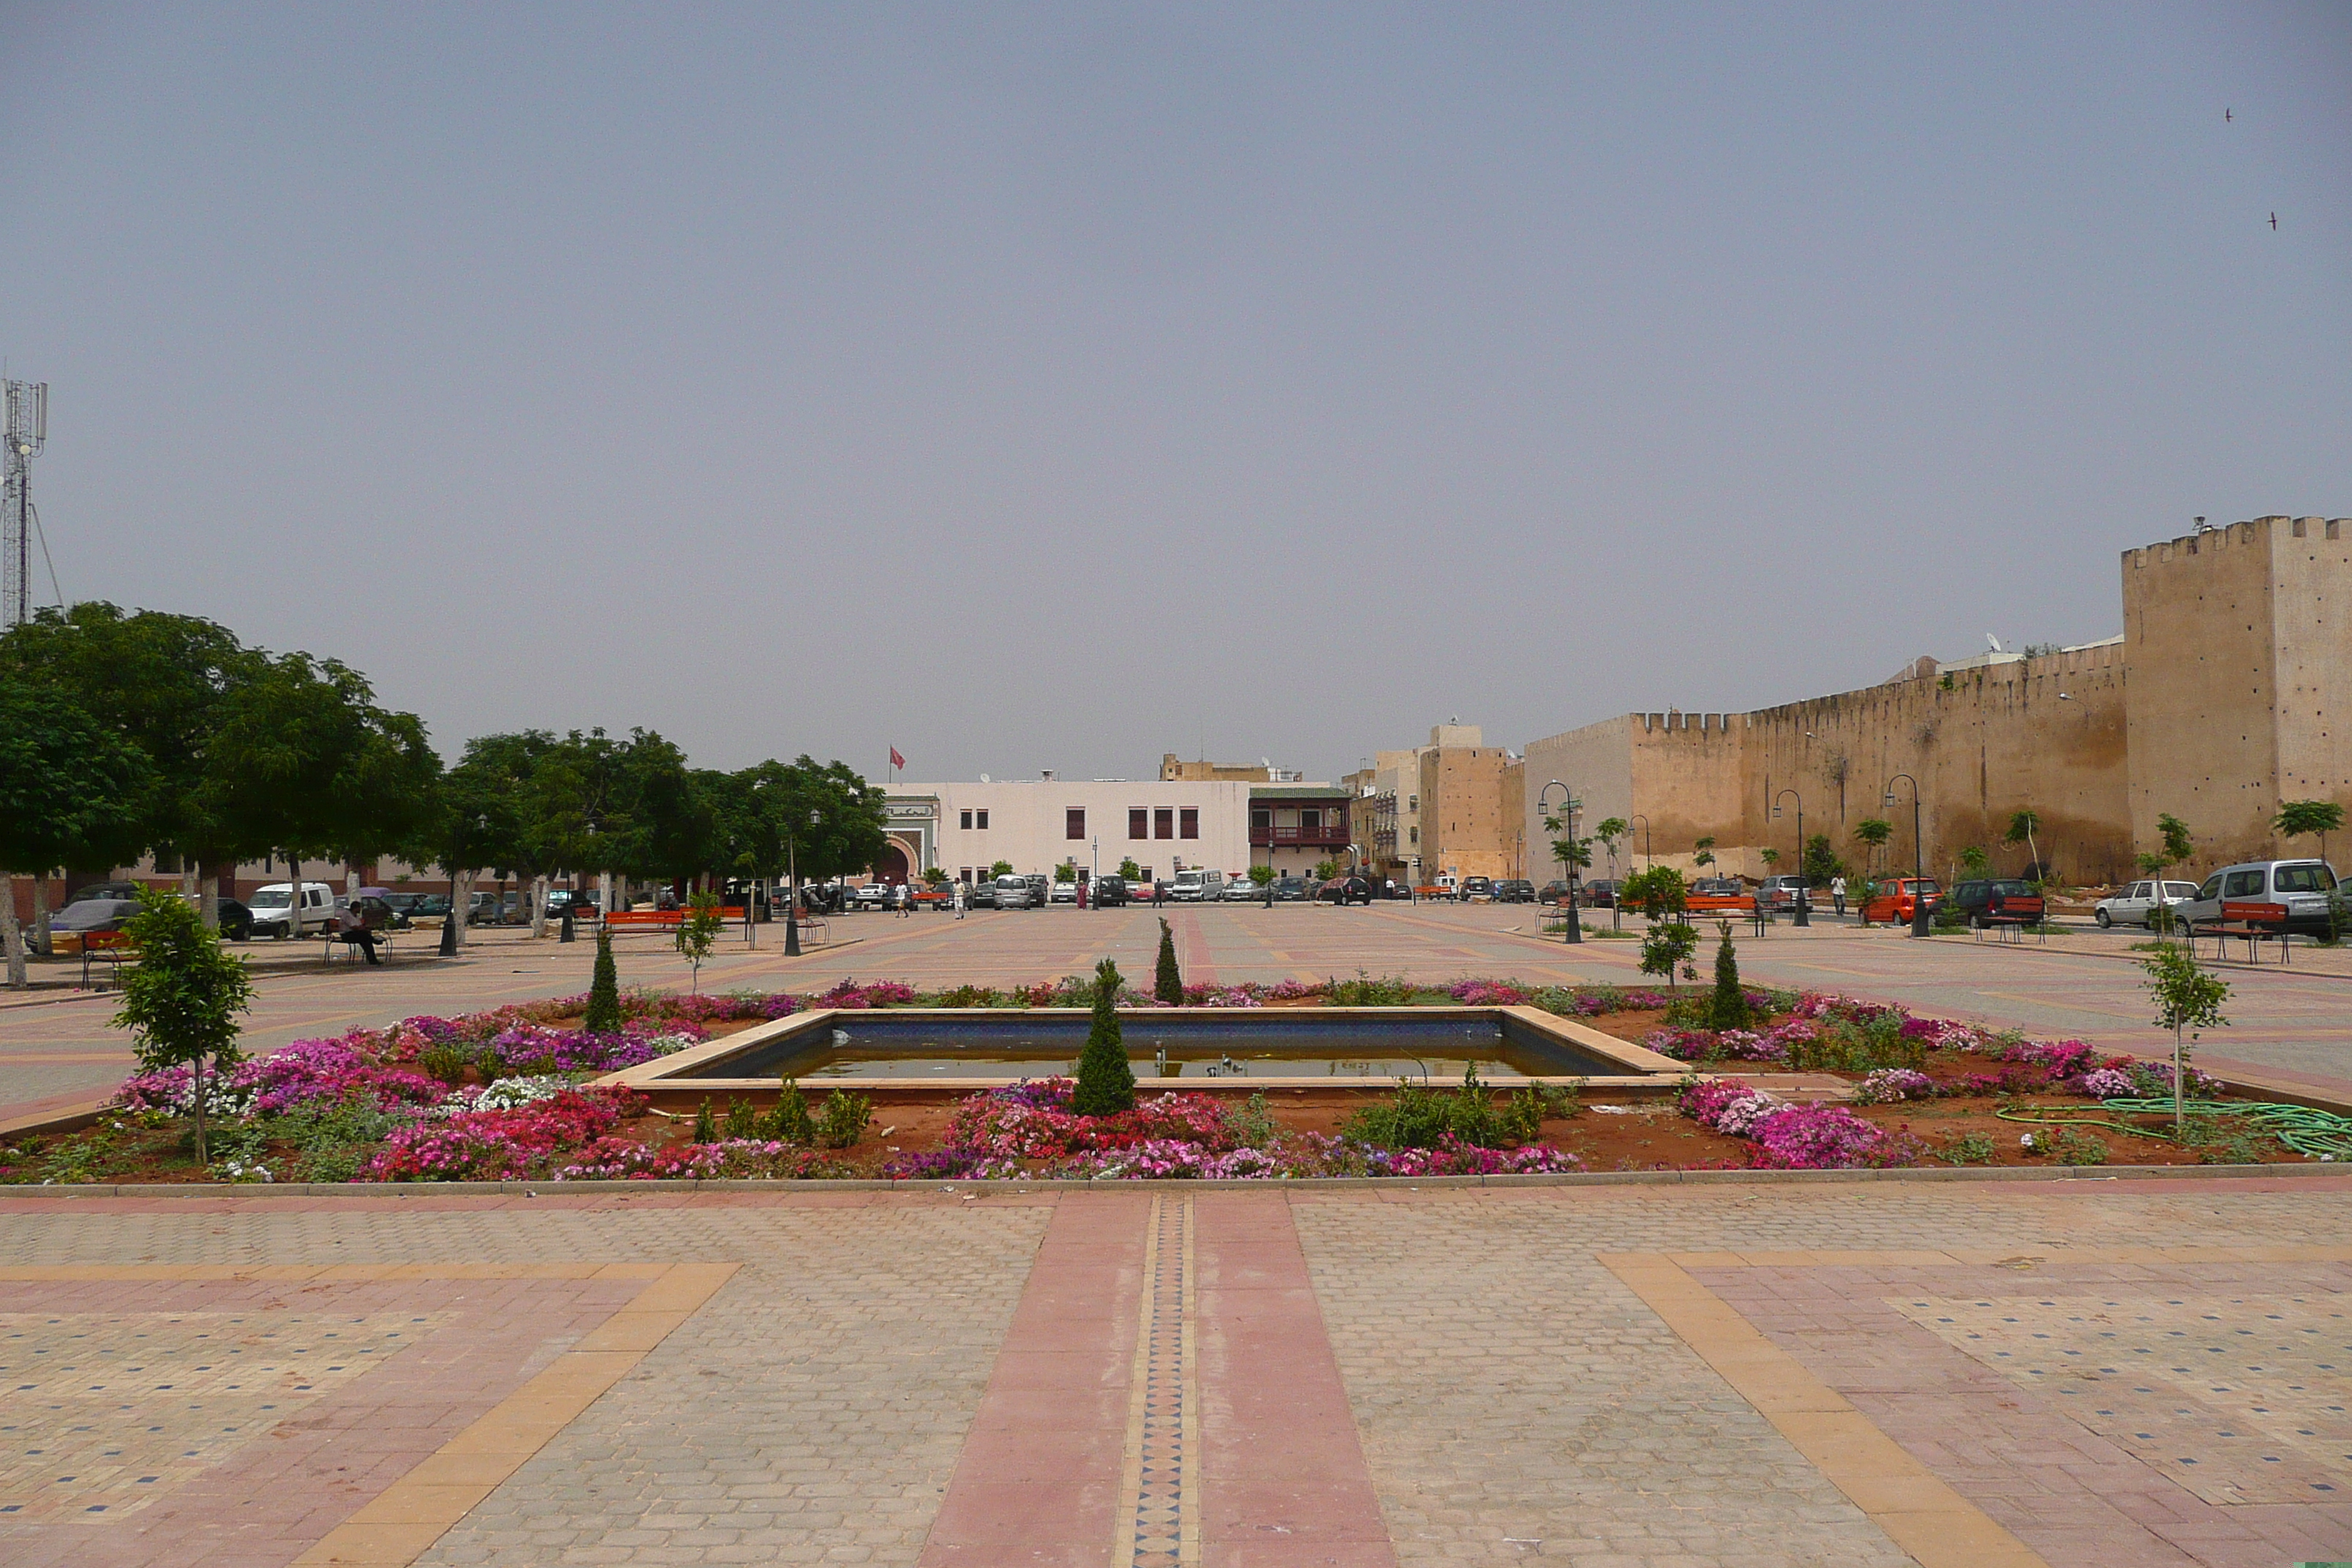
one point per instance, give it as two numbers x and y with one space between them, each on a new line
1035 824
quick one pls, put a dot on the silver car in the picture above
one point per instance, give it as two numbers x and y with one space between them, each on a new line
2302 885
2136 904
1013 892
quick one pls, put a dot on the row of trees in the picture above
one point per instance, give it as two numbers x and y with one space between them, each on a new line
124 735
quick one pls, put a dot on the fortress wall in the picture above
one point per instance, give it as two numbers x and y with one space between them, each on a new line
2311 632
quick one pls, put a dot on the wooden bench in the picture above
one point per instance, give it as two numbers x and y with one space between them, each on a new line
1759 915
2256 923
647 920
112 949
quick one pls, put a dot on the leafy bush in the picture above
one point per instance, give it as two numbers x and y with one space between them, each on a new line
1728 1008
1420 1118
1970 1148
1167 980
787 1121
1366 991
603 1016
2073 1146
1106 1081
445 1062
843 1120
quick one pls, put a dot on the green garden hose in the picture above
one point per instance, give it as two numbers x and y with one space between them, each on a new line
2317 1134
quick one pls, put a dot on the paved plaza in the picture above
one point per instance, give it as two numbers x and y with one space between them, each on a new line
58 1049
1955 1373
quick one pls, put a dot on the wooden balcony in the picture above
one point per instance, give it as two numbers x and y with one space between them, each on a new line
1334 836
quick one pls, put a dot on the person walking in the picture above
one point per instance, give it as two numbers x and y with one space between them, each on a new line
955 895
1159 894
1837 895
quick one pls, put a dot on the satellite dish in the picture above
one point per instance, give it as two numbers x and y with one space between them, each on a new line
1993 641
984 778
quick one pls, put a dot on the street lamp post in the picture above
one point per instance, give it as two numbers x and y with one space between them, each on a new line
793 904
1648 859
1919 856
1571 931
1803 917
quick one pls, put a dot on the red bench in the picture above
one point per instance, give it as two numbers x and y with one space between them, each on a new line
2254 922
113 948
651 920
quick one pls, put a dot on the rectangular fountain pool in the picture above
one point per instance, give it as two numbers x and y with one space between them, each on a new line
1192 1047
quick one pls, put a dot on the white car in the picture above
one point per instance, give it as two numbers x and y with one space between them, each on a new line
273 909
2135 906
873 896
1013 892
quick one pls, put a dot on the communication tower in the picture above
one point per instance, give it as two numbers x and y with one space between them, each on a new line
28 431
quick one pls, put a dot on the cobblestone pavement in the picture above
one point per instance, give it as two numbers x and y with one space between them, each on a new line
1873 1372
60 1051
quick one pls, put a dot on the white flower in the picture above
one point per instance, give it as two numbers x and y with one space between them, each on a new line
2025 1139
509 1093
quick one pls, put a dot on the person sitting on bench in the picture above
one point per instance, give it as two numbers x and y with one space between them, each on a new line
367 916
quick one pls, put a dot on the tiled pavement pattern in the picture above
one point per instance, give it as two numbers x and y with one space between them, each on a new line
1516 1400
1159 1515
59 1052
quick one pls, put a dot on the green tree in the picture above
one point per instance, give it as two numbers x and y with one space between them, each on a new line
604 1015
1611 832
181 1000
1666 947
1821 863
1260 875
1727 1009
2301 818
1973 860
2023 826
1873 833
2177 848
1002 869
1702 851
697 931
1130 871
1106 1083
1658 892
1167 983
2188 1001
71 789
936 875
1066 872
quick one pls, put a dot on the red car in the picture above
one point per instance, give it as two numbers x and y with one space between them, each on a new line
1898 899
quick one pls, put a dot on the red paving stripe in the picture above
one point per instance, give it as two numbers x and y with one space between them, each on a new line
1283 1476
1193 948
1038 1480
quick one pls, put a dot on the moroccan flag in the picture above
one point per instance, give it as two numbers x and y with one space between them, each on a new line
896 760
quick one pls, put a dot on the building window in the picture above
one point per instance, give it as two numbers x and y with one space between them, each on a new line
1260 821
1077 820
980 820
1310 819
1139 823
1414 833
967 821
1164 823
1188 822
964 876
1414 801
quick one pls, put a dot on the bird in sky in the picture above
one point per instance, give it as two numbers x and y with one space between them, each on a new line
2273 223
2226 117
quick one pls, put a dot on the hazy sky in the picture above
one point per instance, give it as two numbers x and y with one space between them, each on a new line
1048 388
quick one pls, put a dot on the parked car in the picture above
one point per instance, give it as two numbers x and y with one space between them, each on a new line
1238 890
1719 888
1013 892
873 896
1111 892
273 909
1600 895
1291 891
1062 893
431 906
980 896
1197 887
1985 901
1780 893
1040 886
1346 890
82 917
2302 886
1515 891
235 921
1898 898
1476 889
582 905
1552 893
2136 905
116 891
1392 888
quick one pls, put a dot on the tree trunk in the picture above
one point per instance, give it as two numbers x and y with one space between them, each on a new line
538 905
294 881
604 891
202 1158
461 900
208 897
12 936
40 911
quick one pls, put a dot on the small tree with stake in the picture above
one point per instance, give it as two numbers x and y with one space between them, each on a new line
698 931
181 1001
1729 1007
1168 983
2186 1000
1106 1083
2301 818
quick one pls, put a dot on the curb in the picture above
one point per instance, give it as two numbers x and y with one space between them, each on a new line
431 1190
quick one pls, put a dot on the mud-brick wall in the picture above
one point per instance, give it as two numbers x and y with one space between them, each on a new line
2045 734
2240 645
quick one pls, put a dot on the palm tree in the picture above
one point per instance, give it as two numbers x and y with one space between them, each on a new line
1875 833
2023 826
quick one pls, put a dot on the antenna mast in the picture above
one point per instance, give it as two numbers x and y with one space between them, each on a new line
28 431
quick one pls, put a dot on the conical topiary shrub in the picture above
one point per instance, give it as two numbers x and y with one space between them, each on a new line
603 991
1168 986
1106 1083
1728 1008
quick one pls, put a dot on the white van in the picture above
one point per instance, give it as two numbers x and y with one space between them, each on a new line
1198 887
1013 892
273 911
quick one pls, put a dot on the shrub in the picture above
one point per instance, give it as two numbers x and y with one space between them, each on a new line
1106 1082
1420 1118
787 1121
446 1062
706 1124
1168 982
1365 990
603 1016
2073 1146
739 1122
1728 1006
1970 1148
842 1121
1665 946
